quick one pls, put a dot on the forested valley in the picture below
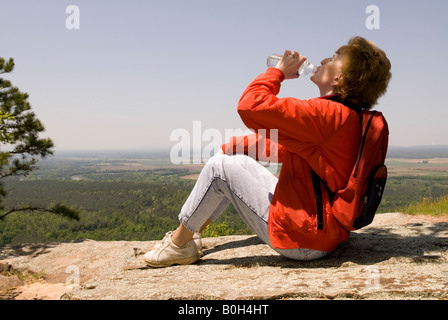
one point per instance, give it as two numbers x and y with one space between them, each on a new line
117 200
137 197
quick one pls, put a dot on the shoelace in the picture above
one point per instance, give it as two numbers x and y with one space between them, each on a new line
164 240
167 236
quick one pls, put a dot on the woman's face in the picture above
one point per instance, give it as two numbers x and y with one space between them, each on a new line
328 74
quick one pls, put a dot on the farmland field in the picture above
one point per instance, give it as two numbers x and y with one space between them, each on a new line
437 167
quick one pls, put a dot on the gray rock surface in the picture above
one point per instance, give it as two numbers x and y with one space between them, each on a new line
397 257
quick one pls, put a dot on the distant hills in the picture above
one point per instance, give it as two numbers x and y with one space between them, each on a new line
418 152
412 152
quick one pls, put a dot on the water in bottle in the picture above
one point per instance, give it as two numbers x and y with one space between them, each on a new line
305 69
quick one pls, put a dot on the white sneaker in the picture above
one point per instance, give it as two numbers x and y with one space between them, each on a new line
167 253
196 237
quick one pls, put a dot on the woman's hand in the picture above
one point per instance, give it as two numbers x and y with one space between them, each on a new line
290 64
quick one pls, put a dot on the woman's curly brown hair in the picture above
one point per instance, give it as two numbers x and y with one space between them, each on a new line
365 73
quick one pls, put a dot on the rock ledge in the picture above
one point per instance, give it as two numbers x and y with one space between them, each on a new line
397 257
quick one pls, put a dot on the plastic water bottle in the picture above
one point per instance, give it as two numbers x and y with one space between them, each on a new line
305 69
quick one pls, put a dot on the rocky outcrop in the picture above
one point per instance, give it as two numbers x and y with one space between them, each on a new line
397 257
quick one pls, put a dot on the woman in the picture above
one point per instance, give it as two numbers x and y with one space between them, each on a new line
322 134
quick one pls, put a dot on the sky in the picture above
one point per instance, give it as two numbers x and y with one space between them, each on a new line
135 72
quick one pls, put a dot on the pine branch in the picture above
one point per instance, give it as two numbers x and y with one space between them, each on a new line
59 209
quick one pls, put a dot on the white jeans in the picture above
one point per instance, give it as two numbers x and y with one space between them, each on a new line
246 184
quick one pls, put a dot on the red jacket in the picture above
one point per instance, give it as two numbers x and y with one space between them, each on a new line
317 133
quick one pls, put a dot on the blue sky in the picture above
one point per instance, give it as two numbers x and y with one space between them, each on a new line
137 70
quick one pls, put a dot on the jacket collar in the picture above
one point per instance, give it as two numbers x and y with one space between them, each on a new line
335 97
329 97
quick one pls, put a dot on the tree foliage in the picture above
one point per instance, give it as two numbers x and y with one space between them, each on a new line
110 209
20 144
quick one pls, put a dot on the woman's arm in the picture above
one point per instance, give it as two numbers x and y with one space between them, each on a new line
301 124
256 146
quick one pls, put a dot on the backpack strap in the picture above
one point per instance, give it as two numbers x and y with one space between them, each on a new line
363 139
318 196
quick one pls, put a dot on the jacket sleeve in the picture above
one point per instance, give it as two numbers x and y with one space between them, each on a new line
303 125
256 146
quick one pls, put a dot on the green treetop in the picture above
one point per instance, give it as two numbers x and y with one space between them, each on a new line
20 144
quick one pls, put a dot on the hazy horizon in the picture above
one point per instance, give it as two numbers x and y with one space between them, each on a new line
440 150
169 148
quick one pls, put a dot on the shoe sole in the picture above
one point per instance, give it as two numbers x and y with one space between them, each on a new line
185 261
